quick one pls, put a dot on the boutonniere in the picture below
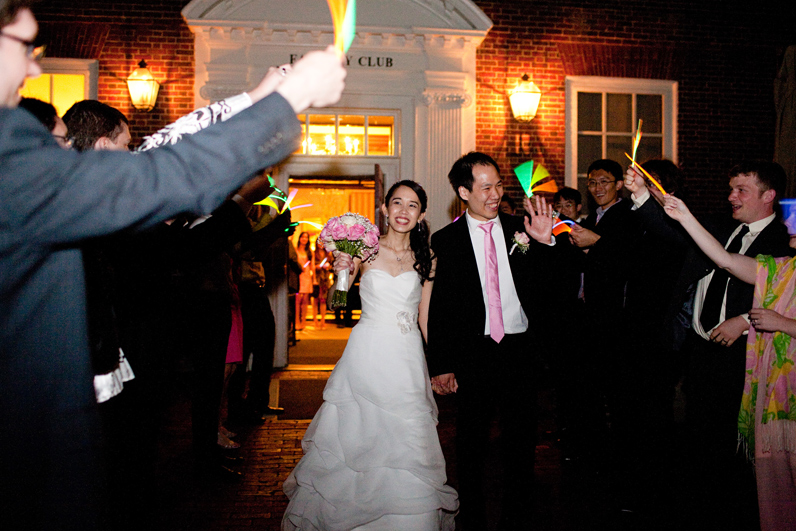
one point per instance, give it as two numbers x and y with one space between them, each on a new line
521 242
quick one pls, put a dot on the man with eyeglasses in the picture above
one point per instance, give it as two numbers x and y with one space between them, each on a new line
607 237
52 200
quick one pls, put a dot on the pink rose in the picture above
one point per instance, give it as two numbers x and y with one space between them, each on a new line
371 238
339 232
522 238
355 232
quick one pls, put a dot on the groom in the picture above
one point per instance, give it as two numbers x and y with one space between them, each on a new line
480 338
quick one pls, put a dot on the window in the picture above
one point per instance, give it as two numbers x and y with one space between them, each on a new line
347 134
64 82
602 116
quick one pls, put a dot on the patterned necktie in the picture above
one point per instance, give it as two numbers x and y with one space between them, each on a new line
492 284
714 297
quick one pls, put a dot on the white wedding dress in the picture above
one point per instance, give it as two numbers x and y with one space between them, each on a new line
372 458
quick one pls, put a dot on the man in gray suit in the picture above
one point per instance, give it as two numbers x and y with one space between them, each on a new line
51 201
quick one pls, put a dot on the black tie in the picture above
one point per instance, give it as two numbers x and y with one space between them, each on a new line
711 307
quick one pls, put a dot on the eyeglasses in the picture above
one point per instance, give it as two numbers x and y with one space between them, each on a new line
602 183
63 141
31 50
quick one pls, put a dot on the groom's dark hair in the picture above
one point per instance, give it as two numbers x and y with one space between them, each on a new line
461 173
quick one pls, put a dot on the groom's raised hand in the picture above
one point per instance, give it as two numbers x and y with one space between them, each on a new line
540 226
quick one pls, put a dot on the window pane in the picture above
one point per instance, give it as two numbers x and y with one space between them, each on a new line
617 147
590 148
650 147
620 113
590 111
351 134
649 108
68 89
38 88
322 135
380 135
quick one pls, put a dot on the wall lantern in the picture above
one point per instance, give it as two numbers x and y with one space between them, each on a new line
524 100
143 88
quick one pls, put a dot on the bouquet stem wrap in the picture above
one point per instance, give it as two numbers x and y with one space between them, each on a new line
340 295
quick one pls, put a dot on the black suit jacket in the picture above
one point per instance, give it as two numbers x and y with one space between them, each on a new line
773 240
457 313
610 261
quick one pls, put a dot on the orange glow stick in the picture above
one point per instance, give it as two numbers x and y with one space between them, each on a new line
562 227
647 175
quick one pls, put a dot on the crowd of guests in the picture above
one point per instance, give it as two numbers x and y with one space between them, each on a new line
105 278
658 316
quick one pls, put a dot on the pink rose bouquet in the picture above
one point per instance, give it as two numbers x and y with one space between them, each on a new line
352 234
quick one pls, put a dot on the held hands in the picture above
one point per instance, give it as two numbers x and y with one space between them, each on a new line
729 331
444 384
540 227
317 80
583 238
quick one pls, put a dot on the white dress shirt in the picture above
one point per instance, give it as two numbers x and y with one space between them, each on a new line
514 319
755 229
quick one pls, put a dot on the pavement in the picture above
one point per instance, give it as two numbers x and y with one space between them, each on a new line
569 497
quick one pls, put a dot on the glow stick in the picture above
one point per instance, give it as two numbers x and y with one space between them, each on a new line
268 202
306 264
323 262
647 175
344 21
549 186
311 224
637 140
562 227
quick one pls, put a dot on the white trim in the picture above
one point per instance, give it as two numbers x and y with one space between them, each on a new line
575 84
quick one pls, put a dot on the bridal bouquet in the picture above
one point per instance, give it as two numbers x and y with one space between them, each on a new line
352 234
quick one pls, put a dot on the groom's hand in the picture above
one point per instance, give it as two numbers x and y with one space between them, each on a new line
444 384
540 227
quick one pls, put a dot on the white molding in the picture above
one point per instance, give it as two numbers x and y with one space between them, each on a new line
574 84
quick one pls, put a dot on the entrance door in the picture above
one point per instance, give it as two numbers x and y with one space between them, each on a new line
319 198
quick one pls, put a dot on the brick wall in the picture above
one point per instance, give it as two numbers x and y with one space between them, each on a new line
121 34
724 57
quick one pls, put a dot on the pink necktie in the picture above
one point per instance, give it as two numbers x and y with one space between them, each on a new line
492 284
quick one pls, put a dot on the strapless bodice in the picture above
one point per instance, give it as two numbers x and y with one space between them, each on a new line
389 300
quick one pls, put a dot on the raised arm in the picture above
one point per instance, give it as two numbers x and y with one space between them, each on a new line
738 265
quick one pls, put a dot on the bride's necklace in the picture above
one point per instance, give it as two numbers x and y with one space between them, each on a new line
400 258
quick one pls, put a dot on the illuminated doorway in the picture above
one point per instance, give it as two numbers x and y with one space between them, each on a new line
317 199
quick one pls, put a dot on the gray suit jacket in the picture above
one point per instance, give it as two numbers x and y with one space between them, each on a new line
52 200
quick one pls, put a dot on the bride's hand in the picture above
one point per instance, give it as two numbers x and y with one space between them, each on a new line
343 261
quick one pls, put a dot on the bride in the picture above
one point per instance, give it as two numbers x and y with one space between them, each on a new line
372 458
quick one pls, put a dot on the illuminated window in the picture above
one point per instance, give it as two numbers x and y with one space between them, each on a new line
602 116
347 134
64 82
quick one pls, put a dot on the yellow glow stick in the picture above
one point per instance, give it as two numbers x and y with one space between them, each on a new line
637 140
647 175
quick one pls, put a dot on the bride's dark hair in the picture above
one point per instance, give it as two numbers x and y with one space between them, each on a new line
418 237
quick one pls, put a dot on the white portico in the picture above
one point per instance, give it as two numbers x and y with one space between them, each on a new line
412 61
